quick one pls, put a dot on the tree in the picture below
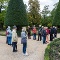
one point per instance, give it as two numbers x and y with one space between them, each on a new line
45 20
2 16
2 4
16 14
33 14
45 11
56 20
53 11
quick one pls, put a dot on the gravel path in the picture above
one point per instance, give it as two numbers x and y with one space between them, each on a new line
35 49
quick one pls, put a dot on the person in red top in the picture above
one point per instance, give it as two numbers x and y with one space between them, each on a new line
47 36
34 33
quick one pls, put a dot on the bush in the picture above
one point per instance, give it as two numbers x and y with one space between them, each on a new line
58 30
52 51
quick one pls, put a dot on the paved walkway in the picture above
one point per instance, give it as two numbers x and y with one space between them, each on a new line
35 50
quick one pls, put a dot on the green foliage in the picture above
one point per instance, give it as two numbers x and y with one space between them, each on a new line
47 21
47 53
53 11
33 15
16 14
45 11
52 51
2 16
56 20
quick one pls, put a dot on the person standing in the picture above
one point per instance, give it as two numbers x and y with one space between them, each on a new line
34 33
9 35
47 35
55 32
29 32
51 34
14 39
39 33
44 35
24 41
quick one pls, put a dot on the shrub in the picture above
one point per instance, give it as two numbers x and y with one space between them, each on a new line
52 51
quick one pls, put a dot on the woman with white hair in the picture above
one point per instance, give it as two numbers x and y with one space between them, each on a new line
9 35
24 41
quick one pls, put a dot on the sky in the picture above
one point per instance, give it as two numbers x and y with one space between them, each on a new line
43 3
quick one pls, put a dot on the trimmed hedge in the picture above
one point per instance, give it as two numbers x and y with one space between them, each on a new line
52 51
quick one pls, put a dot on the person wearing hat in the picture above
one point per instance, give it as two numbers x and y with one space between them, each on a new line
14 39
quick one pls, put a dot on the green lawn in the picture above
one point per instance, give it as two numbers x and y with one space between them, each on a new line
3 33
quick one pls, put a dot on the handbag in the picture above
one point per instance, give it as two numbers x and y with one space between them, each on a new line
23 40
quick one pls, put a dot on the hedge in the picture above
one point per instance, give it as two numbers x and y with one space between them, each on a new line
52 51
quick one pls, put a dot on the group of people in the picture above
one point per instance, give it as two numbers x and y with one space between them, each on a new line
42 32
12 39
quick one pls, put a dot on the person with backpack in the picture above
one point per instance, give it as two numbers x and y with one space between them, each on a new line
9 35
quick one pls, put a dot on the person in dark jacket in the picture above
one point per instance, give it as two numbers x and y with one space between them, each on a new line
39 33
44 35
29 32
55 32
51 34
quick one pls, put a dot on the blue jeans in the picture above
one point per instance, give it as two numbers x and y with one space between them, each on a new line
24 47
44 39
34 36
9 40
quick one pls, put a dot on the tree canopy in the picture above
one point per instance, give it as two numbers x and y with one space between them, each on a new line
34 12
16 13
56 20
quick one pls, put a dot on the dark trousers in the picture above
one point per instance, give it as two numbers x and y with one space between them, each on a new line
55 35
34 36
29 36
14 46
39 37
51 37
24 47
44 39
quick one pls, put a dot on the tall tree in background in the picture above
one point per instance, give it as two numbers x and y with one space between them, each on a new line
45 11
45 20
34 9
3 8
16 14
53 11
56 20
